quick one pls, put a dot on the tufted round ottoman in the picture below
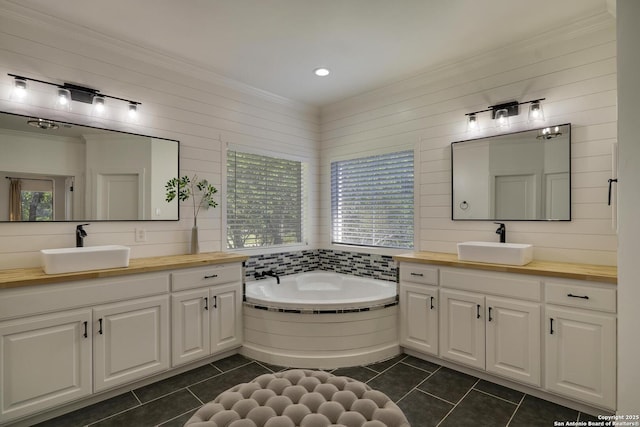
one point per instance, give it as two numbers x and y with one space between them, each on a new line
300 397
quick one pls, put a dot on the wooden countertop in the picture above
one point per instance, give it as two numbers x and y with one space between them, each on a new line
593 273
35 276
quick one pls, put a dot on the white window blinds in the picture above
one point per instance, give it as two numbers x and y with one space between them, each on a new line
372 201
264 201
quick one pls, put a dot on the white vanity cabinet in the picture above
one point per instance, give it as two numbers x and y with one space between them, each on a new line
580 338
46 361
61 342
206 312
419 308
491 321
131 341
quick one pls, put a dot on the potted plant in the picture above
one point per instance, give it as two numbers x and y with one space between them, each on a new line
201 193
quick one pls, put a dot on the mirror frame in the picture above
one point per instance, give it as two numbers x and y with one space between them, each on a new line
486 139
62 122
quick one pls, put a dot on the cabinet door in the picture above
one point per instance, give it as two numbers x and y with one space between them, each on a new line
462 332
131 341
46 361
191 339
513 339
225 307
581 355
419 317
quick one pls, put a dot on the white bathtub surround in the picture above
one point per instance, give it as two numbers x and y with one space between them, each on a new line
321 291
345 320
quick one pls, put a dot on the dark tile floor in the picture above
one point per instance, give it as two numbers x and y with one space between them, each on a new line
429 395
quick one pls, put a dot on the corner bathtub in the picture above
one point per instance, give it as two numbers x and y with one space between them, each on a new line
320 320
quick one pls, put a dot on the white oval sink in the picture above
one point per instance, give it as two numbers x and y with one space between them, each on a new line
496 253
70 260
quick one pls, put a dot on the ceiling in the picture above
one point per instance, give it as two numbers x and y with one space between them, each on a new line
274 45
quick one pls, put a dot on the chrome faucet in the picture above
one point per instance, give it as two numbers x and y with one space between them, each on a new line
80 235
502 231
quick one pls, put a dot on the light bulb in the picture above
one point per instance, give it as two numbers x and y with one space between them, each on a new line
133 110
19 88
502 118
63 97
472 122
98 104
535 111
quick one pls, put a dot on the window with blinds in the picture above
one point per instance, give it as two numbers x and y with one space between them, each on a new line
372 201
264 201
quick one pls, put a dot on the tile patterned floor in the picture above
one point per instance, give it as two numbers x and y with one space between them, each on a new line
429 395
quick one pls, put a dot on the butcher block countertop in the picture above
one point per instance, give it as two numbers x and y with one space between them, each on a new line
35 276
592 273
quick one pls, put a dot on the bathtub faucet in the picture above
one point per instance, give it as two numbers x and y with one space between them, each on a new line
272 274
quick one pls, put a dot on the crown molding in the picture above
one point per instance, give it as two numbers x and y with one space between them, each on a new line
11 9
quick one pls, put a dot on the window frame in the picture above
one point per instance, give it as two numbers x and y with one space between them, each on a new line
383 250
305 177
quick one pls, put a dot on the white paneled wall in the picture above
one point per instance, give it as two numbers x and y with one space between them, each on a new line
574 68
179 101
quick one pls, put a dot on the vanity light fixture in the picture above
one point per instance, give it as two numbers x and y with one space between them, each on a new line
501 113
548 133
322 72
68 92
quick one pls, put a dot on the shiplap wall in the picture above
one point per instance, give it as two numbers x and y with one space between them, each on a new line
179 101
573 67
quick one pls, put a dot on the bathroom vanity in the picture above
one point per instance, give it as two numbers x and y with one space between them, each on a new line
549 327
67 337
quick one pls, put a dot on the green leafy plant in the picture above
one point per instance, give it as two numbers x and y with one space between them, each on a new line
200 191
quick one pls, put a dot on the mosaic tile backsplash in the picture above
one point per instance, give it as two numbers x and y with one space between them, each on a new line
380 267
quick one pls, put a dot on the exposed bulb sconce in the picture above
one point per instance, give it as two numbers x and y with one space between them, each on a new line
133 110
64 99
501 117
19 89
98 104
68 92
501 113
472 122
535 111
548 133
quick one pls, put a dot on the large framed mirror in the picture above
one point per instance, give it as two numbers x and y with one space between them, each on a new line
522 176
57 171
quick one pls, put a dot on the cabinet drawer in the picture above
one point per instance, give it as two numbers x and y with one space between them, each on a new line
418 273
206 276
583 296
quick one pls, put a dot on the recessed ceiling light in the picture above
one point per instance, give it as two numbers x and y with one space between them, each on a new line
321 72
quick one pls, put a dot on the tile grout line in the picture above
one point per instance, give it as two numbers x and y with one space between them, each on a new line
459 400
417 385
193 394
497 397
516 411
176 417
137 398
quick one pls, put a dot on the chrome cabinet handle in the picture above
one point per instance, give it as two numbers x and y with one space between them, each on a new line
100 326
417 274
86 332
551 325
478 311
206 303
215 301
432 306
490 318
213 276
